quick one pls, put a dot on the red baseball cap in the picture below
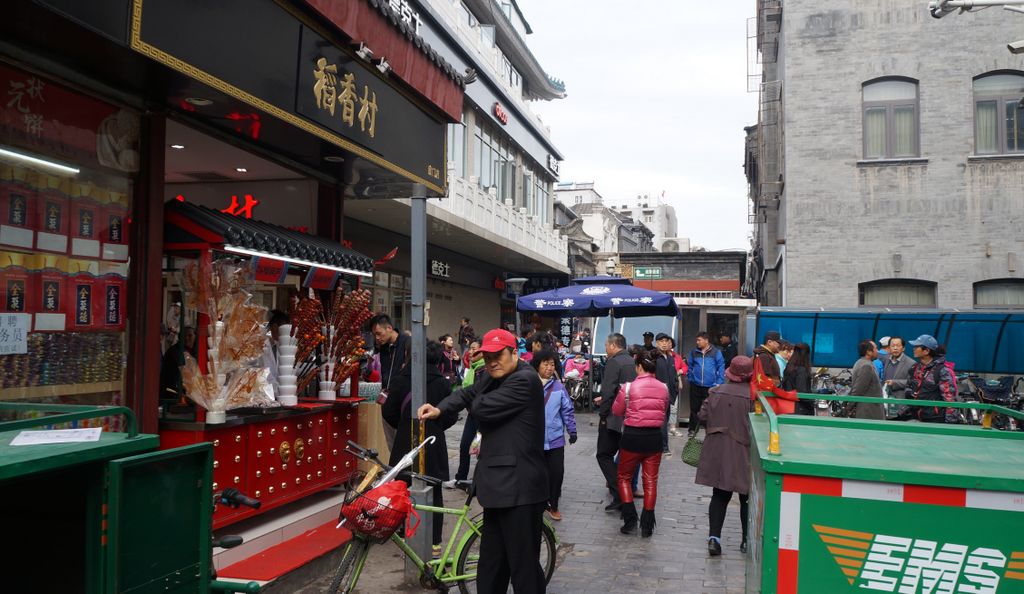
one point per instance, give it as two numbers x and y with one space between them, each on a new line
496 340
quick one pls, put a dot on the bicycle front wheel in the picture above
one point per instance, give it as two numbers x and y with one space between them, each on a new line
469 558
352 559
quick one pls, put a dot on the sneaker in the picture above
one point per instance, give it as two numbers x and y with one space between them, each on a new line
555 515
449 484
714 547
675 433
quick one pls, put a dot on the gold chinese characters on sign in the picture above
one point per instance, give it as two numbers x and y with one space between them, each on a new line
332 92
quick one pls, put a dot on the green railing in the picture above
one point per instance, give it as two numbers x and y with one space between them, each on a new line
68 413
989 411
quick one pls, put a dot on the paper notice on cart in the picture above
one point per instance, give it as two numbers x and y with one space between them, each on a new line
57 436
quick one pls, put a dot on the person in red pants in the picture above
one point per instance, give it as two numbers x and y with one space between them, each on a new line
644 404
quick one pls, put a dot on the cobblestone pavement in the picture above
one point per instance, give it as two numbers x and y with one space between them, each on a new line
593 555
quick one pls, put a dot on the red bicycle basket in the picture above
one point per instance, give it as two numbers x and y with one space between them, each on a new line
380 511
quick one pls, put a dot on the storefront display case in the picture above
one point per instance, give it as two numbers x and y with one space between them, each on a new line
68 167
277 452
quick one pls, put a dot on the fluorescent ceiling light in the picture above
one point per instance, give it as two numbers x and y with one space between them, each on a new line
241 169
37 161
177 146
257 254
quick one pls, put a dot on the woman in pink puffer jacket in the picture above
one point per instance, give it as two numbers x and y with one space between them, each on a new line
643 402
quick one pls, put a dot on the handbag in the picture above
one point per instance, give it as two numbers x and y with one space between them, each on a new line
692 450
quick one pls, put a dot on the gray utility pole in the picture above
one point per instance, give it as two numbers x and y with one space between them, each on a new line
422 540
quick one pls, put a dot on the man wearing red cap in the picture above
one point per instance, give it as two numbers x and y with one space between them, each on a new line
511 481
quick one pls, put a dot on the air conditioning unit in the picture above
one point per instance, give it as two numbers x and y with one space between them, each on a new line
474 179
522 210
509 202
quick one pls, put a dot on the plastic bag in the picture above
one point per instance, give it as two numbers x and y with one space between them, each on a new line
381 510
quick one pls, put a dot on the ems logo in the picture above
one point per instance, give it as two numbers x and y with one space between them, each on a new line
595 291
888 563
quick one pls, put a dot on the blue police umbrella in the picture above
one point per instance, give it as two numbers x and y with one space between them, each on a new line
591 300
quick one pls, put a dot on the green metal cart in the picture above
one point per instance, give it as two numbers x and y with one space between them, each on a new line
845 505
107 516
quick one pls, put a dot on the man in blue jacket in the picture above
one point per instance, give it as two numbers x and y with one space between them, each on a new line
706 370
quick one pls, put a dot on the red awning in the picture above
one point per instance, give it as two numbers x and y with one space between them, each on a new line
363 23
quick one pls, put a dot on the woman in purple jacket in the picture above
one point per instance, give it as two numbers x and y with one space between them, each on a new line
644 404
559 418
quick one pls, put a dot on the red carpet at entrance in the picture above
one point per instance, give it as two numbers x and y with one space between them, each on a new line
289 555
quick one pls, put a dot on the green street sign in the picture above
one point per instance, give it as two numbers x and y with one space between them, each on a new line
647 272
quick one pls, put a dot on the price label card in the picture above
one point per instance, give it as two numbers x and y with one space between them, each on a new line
14 333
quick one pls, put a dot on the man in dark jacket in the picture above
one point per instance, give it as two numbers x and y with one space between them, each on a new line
766 355
511 478
667 372
930 379
391 346
728 348
618 370
896 372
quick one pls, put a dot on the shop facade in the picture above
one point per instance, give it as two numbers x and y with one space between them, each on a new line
129 148
498 219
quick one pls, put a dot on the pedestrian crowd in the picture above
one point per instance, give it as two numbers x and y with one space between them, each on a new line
517 394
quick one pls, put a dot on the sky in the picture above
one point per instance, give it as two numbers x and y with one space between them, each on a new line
656 101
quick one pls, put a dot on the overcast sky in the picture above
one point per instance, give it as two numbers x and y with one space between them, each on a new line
657 101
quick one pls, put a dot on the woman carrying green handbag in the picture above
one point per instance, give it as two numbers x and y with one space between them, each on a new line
725 457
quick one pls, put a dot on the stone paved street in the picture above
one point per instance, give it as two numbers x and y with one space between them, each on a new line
594 556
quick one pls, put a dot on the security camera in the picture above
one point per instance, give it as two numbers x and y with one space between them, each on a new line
1017 47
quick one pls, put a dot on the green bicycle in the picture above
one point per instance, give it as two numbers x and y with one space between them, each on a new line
457 564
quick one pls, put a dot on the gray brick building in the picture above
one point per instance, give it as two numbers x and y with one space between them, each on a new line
887 166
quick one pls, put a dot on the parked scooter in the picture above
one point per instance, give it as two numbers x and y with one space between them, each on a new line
824 382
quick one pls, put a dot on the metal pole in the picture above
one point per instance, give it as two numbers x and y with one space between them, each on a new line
421 491
515 312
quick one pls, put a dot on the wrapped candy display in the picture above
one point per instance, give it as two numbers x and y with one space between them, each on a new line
235 343
330 343
65 358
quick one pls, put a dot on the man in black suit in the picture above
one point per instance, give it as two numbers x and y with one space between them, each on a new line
511 479
618 370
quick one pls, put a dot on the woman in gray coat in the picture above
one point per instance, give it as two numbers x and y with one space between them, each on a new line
725 458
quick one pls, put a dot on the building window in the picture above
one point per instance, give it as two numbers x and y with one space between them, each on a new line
510 74
1004 292
494 164
890 119
998 117
579 200
898 292
467 16
457 147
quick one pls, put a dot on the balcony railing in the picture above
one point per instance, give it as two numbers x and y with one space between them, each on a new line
531 238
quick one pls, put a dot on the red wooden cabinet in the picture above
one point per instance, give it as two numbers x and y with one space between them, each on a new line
276 458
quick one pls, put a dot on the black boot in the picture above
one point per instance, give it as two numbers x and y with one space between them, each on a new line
743 544
647 523
628 518
714 547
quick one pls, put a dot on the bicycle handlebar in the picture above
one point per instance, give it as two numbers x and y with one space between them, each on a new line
235 498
